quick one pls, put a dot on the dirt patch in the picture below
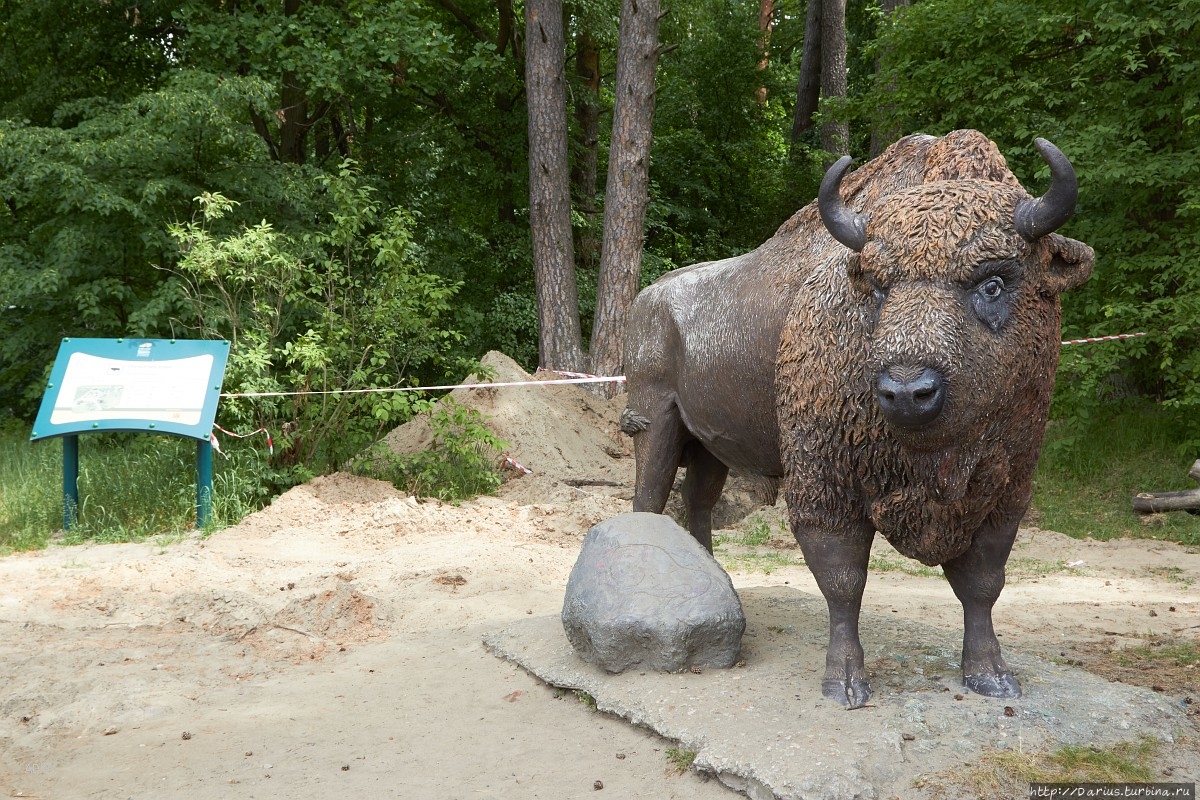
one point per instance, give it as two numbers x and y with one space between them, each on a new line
341 626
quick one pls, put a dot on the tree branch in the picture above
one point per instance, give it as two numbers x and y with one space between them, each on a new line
442 105
504 10
466 21
264 132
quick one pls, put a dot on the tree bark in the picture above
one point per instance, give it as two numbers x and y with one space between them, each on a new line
627 187
587 147
835 134
293 111
560 342
1187 500
766 22
808 87
293 120
883 134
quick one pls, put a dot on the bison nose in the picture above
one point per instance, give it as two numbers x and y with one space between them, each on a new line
910 397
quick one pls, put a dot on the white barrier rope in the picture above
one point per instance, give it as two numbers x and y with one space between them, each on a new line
588 379
1103 338
572 378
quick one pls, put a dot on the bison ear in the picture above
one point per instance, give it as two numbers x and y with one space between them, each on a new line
854 270
1068 264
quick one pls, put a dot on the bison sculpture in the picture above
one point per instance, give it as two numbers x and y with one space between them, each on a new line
890 355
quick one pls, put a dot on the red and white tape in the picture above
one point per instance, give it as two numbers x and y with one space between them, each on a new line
511 463
212 438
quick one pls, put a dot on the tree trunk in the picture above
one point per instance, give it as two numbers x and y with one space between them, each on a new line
884 133
560 343
808 88
835 134
766 21
627 187
293 111
587 147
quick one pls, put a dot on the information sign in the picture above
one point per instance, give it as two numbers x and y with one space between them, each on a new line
168 386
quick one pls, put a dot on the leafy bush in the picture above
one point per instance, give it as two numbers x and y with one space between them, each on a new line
463 460
322 318
87 201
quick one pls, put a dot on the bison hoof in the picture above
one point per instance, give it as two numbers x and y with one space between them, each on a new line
853 693
1002 684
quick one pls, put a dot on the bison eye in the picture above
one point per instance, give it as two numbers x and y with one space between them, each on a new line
992 288
989 301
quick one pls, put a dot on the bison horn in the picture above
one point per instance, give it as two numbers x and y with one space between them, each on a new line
1037 216
843 224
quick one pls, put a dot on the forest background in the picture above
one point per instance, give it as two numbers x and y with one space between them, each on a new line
342 187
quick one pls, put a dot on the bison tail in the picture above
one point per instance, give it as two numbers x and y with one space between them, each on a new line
632 422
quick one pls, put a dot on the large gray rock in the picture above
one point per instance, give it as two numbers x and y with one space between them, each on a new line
645 594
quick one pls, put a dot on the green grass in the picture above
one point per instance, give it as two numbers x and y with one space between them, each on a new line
751 548
1089 473
136 486
1000 775
905 565
764 562
680 758
131 487
1176 653
759 532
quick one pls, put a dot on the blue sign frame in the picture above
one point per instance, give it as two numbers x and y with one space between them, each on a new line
167 386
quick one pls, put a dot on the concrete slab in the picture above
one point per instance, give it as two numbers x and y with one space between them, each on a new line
763 728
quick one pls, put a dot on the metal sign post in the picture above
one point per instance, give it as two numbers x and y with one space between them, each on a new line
167 386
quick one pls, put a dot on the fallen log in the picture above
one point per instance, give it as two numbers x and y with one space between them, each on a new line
1187 500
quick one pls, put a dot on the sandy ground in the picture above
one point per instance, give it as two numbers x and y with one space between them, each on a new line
332 642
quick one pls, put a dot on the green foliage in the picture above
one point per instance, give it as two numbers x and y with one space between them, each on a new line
87 208
721 174
326 316
58 51
461 462
355 48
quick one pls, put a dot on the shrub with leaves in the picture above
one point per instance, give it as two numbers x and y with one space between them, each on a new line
323 318
463 460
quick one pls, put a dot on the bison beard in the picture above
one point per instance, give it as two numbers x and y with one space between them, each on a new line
891 356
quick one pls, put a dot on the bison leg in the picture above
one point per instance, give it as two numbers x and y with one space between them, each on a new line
977 576
839 563
658 450
701 489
